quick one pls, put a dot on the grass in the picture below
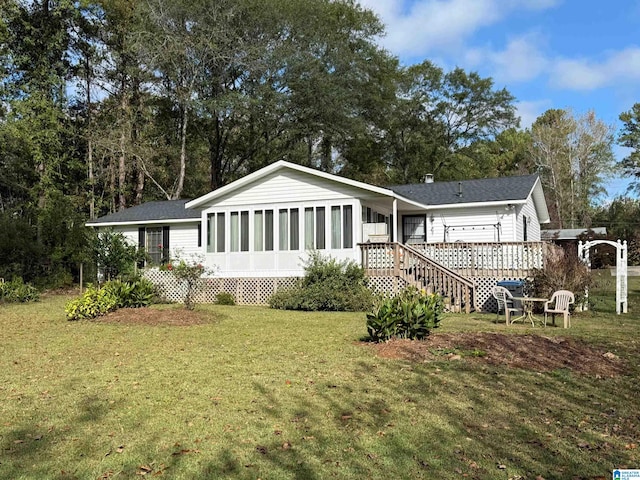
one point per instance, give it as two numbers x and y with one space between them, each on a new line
259 393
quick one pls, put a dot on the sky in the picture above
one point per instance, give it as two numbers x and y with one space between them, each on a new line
572 54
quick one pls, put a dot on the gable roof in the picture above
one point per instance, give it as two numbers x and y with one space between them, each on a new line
280 165
503 189
149 212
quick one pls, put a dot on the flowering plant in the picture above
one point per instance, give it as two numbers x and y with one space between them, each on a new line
190 274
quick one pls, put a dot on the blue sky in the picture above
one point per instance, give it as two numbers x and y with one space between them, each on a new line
572 54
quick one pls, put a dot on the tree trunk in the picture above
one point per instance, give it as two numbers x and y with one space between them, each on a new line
183 154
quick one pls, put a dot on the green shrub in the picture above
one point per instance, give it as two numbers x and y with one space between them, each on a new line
225 298
94 302
115 294
409 314
16 291
132 294
328 285
189 272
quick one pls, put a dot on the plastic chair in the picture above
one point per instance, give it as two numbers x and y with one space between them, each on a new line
561 301
505 302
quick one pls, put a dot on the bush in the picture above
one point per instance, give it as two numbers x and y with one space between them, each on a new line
409 314
328 285
16 291
225 298
562 271
115 294
190 273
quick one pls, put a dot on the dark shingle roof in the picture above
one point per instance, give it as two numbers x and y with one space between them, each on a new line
150 211
482 190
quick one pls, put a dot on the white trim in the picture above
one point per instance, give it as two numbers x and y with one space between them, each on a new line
144 222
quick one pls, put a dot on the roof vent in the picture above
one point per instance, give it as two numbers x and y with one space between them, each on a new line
428 178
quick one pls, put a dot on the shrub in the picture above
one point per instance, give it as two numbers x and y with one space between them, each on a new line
132 294
409 314
328 285
190 273
94 302
114 254
16 291
115 294
225 298
562 271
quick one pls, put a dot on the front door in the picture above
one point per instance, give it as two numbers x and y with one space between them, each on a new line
414 229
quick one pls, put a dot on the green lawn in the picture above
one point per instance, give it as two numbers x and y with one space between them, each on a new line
266 394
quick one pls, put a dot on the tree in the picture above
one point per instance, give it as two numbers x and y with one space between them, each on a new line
630 138
574 156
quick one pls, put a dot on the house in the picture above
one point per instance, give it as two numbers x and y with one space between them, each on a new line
263 225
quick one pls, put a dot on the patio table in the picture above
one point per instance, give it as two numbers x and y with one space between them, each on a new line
527 309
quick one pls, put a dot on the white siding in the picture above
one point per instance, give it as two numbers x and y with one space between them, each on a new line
183 238
533 226
288 186
474 224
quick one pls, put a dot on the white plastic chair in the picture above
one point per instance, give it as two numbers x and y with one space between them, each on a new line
505 302
561 300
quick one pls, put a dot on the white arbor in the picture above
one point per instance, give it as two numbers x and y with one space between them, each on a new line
621 268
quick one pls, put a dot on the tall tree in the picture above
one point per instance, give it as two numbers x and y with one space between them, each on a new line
574 156
630 137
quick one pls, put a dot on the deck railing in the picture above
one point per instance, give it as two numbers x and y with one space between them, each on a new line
507 259
412 266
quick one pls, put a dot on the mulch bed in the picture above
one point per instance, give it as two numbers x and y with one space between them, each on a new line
531 352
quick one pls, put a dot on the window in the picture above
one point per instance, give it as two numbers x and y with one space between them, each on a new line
342 226
215 232
525 233
413 229
153 245
239 232
320 230
314 228
336 227
289 229
347 226
263 230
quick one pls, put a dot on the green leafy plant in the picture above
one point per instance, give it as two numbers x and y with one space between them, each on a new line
225 298
16 291
97 301
115 255
94 302
409 314
328 285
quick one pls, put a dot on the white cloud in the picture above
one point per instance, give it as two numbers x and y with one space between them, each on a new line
418 27
582 74
521 60
528 111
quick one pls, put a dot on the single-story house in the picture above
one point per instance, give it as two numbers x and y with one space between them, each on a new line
264 224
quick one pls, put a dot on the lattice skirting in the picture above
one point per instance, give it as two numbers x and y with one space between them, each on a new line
256 291
246 291
484 299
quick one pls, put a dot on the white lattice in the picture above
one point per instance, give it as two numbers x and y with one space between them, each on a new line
246 291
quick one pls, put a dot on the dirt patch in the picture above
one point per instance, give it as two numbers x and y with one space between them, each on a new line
151 316
530 352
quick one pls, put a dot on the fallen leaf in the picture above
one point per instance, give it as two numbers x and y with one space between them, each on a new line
120 449
286 446
18 441
262 449
502 467
346 417
631 446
